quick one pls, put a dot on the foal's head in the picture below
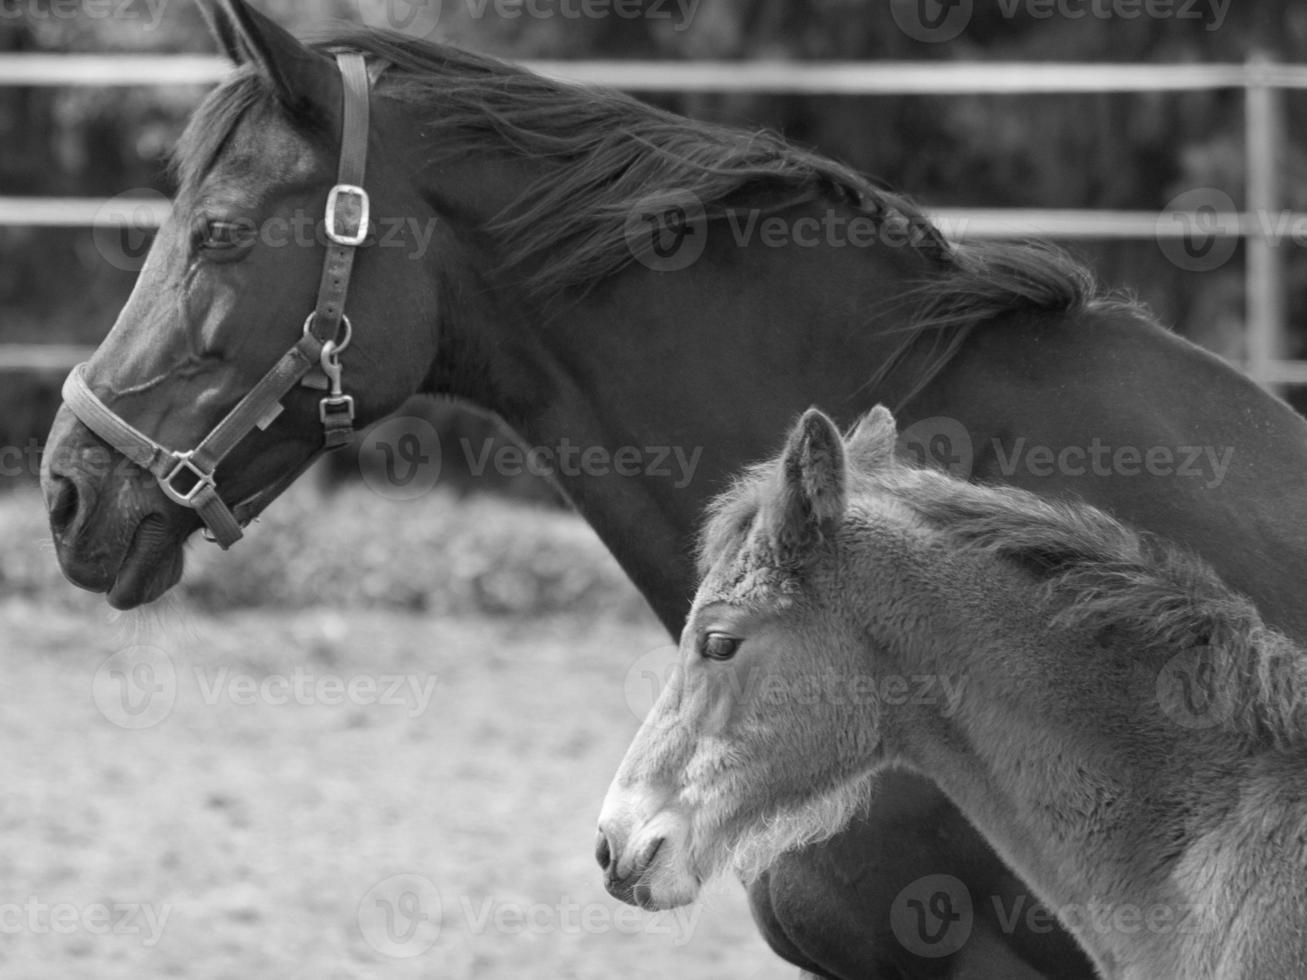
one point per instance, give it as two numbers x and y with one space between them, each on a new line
759 738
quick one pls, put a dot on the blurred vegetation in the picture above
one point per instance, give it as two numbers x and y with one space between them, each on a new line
351 549
1079 151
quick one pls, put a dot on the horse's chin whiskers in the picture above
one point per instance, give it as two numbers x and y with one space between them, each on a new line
153 621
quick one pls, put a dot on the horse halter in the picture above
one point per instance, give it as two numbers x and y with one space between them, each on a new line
188 477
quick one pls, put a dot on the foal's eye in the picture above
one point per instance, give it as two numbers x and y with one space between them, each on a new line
719 646
218 235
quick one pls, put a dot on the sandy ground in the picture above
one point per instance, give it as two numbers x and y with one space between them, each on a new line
322 794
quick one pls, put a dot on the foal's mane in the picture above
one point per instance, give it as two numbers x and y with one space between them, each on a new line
1095 573
1105 576
608 156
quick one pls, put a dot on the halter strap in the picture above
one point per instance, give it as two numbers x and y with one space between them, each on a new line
188 477
347 204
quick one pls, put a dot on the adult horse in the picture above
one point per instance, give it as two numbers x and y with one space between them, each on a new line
607 276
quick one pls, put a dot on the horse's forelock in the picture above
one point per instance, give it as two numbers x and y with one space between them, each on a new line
210 128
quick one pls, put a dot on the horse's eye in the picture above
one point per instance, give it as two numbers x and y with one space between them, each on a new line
719 646
219 235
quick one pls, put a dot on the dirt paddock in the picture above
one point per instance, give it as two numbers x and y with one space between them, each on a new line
342 790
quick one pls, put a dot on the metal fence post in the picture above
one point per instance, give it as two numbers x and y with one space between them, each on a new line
1264 207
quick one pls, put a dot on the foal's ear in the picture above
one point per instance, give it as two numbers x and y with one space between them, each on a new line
872 442
299 75
811 497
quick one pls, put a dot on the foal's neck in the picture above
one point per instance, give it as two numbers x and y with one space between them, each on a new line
1056 748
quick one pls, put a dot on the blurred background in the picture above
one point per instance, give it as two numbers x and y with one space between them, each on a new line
262 828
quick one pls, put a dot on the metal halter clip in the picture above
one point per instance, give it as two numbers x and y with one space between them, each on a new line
363 205
202 480
337 409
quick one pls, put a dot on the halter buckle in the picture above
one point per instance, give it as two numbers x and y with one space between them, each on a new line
203 480
355 231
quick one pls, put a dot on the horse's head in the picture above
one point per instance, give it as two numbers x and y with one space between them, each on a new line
772 709
245 257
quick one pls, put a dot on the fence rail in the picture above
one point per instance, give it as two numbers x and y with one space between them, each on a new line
780 77
1261 81
959 224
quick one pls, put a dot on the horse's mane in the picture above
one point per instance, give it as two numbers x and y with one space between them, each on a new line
608 156
1097 575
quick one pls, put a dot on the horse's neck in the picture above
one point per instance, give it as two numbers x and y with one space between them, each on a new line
657 366
1070 802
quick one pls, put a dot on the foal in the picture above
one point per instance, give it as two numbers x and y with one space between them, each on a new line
1117 722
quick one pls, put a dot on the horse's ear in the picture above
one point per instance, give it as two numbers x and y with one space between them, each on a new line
298 74
871 444
810 500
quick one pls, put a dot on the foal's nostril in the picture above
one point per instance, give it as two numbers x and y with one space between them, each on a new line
63 505
651 851
603 853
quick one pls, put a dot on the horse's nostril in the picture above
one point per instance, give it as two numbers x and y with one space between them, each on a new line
651 851
63 505
603 853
